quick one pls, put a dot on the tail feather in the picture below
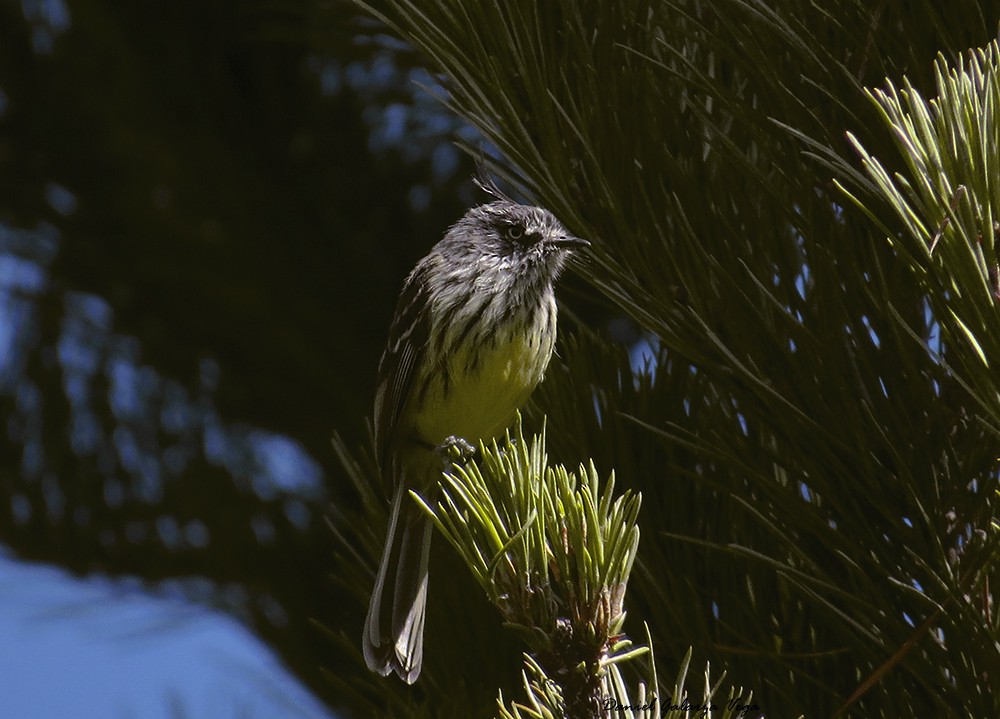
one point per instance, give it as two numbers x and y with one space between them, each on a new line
394 635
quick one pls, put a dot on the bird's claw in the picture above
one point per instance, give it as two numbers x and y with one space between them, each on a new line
455 450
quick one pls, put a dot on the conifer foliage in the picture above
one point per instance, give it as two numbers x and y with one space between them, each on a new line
798 204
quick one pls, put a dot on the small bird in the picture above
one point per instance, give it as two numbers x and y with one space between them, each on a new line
472 335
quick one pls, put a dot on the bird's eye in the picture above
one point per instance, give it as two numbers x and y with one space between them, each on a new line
515 232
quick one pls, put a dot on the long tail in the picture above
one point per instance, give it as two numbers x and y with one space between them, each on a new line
394 632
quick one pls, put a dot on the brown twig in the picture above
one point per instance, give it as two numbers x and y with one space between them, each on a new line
955 199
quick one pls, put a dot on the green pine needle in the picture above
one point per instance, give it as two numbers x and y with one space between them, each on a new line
544 543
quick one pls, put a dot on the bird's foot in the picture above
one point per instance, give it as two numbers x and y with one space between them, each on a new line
455 450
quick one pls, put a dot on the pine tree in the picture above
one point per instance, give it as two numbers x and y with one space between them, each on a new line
812 252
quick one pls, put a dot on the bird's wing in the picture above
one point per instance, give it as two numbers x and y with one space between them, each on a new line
409 335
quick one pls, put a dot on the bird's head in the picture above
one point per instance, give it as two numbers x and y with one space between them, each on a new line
522 239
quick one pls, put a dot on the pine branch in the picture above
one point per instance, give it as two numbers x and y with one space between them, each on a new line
948 202
553 551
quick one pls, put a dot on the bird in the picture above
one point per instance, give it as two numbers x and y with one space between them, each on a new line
471 337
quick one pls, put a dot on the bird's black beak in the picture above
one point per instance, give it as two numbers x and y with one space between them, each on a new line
569 242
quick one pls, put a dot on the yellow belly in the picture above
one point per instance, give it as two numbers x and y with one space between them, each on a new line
480 400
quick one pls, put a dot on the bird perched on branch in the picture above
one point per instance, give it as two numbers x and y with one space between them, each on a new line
472 335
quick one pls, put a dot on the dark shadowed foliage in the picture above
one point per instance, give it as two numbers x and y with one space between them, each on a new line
206 211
